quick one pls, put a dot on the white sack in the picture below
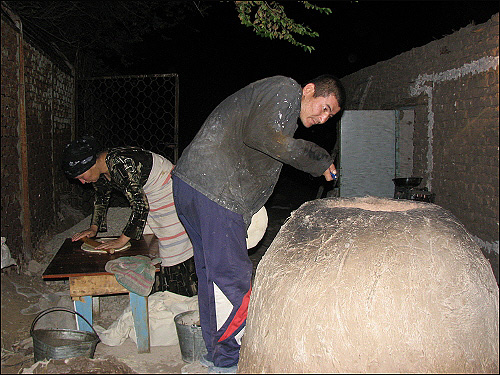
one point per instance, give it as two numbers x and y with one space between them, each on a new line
257 228
163 307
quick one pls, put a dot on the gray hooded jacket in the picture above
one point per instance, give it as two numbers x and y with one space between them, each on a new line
236 157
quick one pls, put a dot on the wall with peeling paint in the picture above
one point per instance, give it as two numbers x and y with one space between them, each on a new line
452 84
37 122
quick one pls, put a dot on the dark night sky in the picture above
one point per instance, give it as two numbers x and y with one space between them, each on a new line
217 55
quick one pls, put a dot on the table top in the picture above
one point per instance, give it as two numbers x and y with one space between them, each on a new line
72 261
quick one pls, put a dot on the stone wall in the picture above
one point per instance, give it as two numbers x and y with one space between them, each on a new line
37 121
452 84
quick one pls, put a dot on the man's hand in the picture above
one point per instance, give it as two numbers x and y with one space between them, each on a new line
329 172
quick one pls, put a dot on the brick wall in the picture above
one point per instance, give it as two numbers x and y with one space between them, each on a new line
49 106
452 85
11 226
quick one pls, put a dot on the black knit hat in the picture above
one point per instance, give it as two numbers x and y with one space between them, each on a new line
80 155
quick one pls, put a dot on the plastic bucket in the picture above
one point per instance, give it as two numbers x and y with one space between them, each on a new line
191 341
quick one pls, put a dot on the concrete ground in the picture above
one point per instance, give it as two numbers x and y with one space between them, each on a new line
25 294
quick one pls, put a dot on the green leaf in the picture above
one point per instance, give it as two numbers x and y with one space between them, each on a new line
270 21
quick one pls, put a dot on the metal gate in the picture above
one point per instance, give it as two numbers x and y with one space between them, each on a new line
138 110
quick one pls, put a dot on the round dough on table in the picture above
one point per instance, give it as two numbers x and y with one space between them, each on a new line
90 248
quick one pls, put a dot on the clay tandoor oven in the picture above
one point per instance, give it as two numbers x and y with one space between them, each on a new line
372 285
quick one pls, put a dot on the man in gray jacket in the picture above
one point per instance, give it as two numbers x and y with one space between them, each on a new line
226 174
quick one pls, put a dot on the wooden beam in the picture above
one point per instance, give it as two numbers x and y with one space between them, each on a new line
96 285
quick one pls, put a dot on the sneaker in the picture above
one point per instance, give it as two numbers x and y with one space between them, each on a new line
222 370
205 362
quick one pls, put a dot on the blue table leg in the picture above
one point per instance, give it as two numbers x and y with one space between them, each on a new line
84 308
139 306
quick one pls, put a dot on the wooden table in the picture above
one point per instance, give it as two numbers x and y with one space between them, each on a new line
88 280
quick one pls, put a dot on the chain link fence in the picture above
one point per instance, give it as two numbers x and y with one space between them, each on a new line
139 110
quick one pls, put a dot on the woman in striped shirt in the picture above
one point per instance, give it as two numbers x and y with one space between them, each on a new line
144 178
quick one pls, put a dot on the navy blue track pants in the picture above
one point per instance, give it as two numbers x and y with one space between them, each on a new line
223 268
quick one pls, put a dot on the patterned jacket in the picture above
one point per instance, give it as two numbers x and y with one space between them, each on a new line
129 168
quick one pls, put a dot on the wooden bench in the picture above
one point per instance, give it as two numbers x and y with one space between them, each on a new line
88 280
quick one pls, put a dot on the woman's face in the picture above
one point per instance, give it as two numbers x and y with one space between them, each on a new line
91 175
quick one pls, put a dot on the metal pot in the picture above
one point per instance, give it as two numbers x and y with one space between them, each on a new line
407 181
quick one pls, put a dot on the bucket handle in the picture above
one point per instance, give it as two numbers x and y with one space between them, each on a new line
52 309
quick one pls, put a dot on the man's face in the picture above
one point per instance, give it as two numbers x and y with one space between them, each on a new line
316 110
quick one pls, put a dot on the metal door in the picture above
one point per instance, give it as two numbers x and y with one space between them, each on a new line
367 153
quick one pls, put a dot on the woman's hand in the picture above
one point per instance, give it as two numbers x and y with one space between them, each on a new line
113 244
91 232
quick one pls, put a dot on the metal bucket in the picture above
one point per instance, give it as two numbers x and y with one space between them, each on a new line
62 343
191 341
